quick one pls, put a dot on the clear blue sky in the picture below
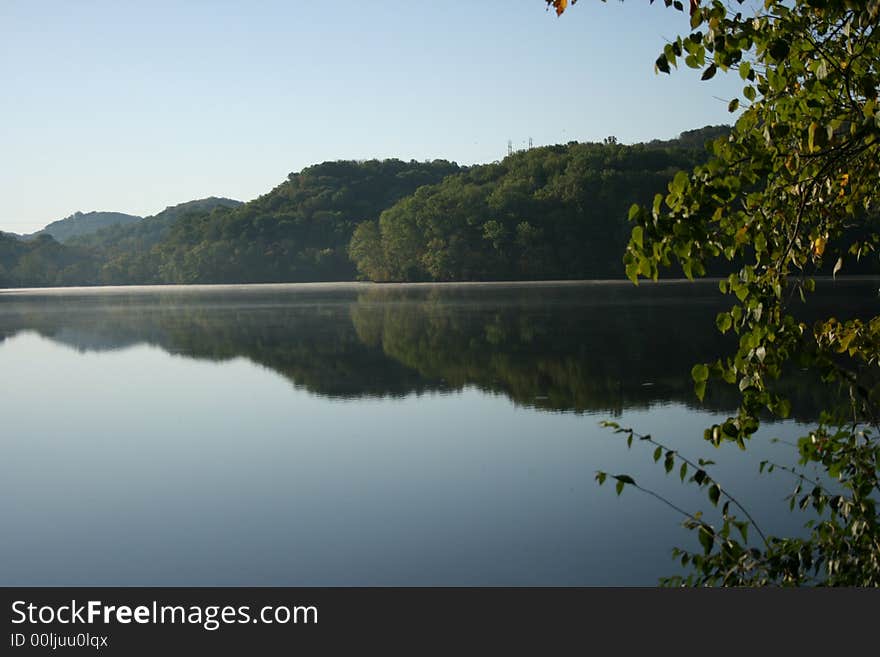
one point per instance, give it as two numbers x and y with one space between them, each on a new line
133 106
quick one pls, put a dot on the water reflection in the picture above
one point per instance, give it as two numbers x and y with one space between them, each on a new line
152 437
569 347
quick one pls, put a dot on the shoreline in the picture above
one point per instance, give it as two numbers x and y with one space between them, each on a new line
340 285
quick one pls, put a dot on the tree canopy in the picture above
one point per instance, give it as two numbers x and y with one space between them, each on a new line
555 212
299 231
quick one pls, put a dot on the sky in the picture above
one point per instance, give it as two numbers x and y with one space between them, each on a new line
134 106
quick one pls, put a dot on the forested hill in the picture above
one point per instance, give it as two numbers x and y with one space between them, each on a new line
43 261
152 230
546 213
83 223
557 212
299 231
126 252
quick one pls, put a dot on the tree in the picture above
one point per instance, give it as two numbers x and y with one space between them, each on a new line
792 192
550 212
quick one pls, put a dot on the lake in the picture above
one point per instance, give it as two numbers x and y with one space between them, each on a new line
356 434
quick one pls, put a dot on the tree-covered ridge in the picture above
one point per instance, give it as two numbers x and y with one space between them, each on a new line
126 252
297 232
151 230
83 223
555 212
43 262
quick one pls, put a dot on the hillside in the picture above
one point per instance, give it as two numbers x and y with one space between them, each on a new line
556 212
83 223
43 261
151 230
125 250
299 231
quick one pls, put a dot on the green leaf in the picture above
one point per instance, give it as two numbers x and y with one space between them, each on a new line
619 487
760 242
700 389
669 462
709 73
706 538
682 472
679 182
724 321
700 372
657 454
632 272
733 105
812 131
637 236
714 494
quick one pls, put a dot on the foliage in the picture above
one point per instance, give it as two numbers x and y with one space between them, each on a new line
81 223
126 251
42 262
794 188
555 212
299 231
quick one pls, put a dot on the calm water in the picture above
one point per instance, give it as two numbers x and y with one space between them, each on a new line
362 435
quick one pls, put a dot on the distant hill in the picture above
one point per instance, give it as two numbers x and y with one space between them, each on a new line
126 250
83 223
141 236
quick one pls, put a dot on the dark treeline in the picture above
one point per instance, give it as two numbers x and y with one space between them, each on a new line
555 212
43 261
